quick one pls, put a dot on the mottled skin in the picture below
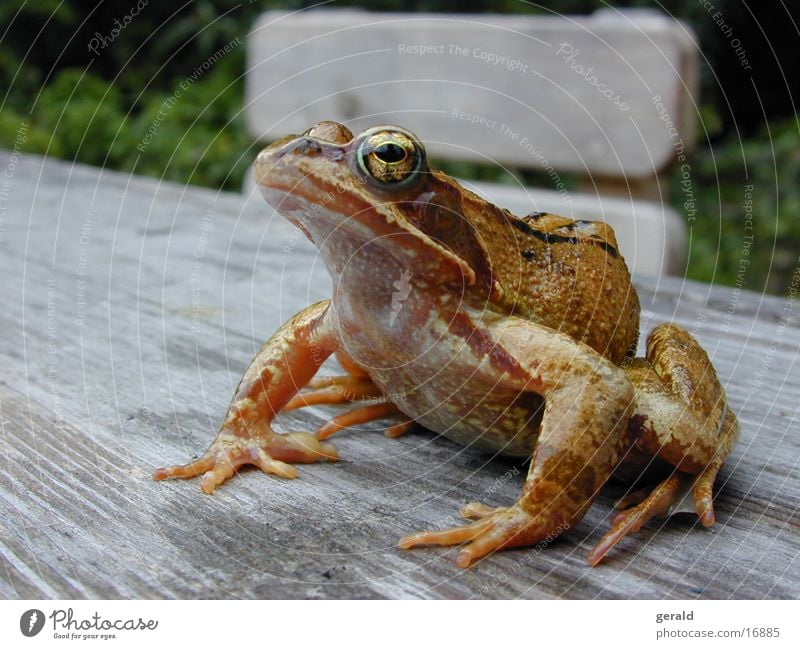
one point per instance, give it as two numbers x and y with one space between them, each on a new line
508 334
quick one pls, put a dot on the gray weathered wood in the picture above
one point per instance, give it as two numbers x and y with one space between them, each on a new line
93 397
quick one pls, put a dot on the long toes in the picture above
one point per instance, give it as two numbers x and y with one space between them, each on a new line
622 524
334 394
334 389
452 536
631 499
492 539
397 430
270 465
633 519
300 447
704 504
475 510
190 470
355 417
221 471
313 398
330 381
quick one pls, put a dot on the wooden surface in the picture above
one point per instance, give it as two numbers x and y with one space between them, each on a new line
130 310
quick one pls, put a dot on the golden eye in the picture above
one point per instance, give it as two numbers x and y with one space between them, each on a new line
392 158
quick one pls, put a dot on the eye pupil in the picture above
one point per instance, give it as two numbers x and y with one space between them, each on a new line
390 152
391 158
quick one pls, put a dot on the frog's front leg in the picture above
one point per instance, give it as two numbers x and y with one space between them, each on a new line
681 417
588 402
285 363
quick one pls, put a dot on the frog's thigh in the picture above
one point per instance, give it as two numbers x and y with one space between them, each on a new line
681 410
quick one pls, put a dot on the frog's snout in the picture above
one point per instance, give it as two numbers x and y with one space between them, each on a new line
289 152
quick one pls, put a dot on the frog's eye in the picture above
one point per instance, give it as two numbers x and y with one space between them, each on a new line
392 158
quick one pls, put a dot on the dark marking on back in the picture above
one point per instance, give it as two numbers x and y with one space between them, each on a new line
552 238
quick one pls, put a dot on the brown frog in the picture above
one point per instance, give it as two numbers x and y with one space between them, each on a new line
514 335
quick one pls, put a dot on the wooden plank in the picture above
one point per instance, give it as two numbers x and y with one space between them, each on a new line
180 286
609 94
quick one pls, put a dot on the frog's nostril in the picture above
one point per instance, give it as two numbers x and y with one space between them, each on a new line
302 146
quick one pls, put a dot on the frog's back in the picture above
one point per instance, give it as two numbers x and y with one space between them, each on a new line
572 277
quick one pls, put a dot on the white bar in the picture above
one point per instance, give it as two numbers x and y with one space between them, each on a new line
403 624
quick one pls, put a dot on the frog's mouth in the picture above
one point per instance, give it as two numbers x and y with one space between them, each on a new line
316 185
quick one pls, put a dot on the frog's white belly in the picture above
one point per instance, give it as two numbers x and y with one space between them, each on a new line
436 378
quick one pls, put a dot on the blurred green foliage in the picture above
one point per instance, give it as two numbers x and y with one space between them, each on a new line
747 229
101 107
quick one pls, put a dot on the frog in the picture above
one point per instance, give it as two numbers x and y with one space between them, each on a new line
511 335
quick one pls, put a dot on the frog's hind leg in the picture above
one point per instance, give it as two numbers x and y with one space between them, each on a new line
583 432
682 417
329 390
362 416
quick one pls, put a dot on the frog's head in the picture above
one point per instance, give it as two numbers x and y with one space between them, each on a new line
374 195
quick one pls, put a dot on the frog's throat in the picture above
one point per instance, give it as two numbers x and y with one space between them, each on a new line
365 221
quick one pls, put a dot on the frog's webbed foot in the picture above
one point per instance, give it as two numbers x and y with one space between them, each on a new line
666 498
658 503
269 451
290 358
495 529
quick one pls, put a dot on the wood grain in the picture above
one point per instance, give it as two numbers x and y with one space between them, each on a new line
126 324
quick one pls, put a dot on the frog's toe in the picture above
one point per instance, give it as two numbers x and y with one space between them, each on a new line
500 528
476 510
355 417
451 536
271 453
660 502
329 390
703 495
397 430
